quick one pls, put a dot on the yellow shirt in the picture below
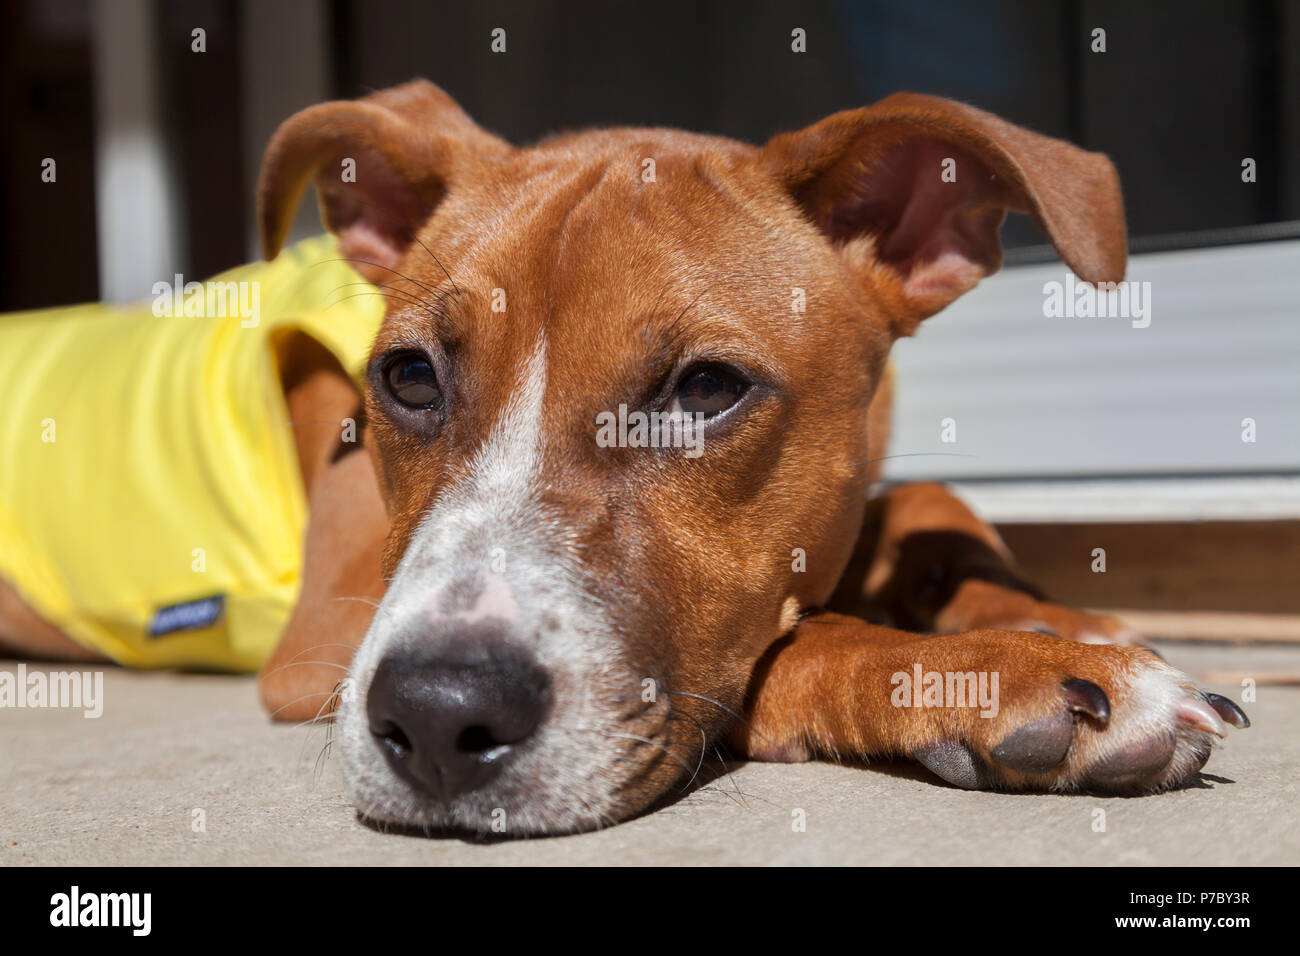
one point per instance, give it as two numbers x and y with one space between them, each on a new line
151 505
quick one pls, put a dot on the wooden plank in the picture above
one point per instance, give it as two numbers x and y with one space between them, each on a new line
1248 567
1236 677
1213 627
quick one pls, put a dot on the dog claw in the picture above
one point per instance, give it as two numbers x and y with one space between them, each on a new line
1200 714
954 762
1037 747
1085 697
1227 709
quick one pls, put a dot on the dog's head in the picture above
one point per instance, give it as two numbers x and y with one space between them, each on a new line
618 414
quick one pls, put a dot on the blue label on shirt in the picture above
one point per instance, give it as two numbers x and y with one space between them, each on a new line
189 616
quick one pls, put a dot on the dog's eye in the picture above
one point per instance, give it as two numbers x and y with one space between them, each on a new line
708 390
411 380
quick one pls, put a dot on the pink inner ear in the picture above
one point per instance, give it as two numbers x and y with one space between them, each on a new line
941 237
377 216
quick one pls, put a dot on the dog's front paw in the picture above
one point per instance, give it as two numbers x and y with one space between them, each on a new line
1098 718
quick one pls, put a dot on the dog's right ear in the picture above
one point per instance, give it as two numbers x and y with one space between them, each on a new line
380 164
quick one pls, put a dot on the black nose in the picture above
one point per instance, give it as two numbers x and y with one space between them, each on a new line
447 722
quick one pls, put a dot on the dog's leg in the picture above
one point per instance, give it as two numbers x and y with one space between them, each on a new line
24 633
925 562
341 582
982 709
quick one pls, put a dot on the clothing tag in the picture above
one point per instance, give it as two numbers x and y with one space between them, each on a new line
189 616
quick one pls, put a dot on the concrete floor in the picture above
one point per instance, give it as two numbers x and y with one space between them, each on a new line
122 789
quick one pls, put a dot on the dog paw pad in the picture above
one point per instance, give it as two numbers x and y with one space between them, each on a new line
1136 765
954 762
1039 746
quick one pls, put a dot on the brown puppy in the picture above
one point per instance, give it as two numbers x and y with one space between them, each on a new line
568 624
565 623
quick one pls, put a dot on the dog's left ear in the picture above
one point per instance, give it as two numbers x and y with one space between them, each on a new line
914 189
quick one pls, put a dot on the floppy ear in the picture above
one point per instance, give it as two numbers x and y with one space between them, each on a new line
409 144
915 189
